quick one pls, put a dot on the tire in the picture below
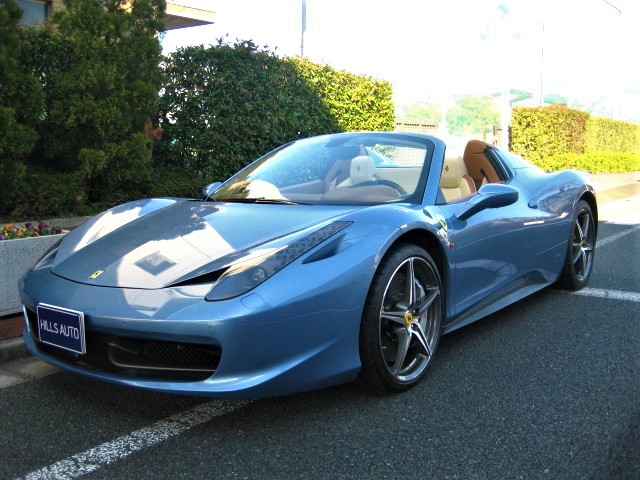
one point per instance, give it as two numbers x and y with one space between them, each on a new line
578 262
402 320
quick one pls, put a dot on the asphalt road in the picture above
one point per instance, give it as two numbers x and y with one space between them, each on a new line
548 388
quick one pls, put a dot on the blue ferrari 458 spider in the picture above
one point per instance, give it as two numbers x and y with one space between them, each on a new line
329 259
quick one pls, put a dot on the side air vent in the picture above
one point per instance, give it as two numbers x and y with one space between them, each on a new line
199 279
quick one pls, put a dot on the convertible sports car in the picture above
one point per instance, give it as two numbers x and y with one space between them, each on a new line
328 259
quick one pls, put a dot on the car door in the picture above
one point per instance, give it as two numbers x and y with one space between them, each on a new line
493 250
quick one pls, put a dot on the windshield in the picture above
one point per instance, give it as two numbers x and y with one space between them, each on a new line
345 169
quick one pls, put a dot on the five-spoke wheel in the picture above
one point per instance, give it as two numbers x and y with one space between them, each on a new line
579 260
402 319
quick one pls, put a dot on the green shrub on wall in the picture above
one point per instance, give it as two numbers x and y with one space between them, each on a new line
604 134
225 105
593 162
540 132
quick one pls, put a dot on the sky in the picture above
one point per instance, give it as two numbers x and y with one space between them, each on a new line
584 50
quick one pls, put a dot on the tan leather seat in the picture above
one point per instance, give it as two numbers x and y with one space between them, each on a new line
361 169
454 181
478 166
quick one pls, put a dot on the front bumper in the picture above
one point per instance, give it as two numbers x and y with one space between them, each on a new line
290 335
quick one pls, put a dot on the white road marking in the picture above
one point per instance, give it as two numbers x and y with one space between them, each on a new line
109 452
614 237
612 294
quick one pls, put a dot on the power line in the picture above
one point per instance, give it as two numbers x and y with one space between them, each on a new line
612 6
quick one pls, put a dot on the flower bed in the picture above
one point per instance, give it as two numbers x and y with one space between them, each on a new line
27 230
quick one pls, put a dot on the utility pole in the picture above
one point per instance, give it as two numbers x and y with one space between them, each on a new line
304 26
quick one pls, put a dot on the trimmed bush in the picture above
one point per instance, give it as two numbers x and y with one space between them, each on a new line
225 105
540 132
593 162
51 194
606 135
172 182
356 102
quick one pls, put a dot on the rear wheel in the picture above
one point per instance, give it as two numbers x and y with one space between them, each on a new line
582 241
402 320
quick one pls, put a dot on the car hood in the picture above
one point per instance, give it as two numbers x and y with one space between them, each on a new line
159 242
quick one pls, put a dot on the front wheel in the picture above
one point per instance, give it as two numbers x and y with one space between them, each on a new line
580 251
402 319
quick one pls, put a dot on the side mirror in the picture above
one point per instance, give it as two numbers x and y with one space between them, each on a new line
491 195
209 189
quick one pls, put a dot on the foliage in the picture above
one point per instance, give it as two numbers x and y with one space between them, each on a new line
472 115
11 232
100 68
356 102
420 112
225 105
173 182
593 162
540 132
51 194
61 194
21 99
604 134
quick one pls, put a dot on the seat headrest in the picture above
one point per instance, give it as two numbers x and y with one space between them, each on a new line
452 172
362 169
476 146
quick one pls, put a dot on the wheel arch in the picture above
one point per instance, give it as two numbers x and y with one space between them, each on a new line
433 245
590 198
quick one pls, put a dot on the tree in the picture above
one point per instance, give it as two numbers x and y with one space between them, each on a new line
21 99
420 112
102 90
472 115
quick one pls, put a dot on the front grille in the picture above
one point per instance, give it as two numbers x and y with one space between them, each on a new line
138 358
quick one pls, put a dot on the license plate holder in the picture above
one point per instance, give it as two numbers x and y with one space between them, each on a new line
61 327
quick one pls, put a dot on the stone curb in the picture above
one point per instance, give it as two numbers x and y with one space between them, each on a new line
13 349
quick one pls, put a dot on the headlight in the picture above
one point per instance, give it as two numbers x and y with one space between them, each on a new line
250 272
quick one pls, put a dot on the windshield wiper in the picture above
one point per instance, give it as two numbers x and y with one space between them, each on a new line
275 201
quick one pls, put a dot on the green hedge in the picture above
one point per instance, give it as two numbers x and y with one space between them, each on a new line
593 162
356 102
541 132
225 105
172 182
50 194
558 137
604 134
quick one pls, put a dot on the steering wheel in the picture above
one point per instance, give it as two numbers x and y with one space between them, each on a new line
388 183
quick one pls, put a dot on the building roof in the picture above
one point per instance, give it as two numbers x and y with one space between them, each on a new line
185 13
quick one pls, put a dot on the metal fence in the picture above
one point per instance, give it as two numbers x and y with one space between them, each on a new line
426 128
